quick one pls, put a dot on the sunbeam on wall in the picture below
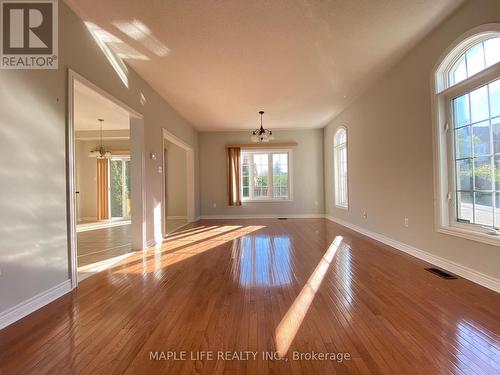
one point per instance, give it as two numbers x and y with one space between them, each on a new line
115 50
157 220
291 322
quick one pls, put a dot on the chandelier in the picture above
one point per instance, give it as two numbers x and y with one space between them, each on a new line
262 135
100 152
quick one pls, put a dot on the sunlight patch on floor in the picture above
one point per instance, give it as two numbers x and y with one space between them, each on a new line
91 269
291 322
93 225
172 251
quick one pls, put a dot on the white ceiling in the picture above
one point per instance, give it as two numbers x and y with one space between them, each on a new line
302 61
90 106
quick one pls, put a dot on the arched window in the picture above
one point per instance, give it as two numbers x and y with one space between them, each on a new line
340 162
467 127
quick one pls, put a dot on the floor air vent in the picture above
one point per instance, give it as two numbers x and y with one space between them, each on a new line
282 218
441 273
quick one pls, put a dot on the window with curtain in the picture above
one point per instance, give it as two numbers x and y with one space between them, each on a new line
340 165
468 109
265 175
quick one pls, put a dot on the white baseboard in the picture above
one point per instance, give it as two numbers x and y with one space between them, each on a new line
271 216
24 308
177 217
458 269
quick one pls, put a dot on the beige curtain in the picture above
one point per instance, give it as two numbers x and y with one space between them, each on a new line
233 175
102 189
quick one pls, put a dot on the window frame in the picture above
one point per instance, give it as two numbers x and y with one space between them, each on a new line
270 151
123 159
336 161
444 146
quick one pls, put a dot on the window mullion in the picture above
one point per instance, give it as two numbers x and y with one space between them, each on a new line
472 155
341 179
466 66
484 54
242 178
492 153
337 174
344 174
270 186
450 136
250 176
270 192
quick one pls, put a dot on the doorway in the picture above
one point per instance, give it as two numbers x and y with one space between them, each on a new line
105 169
178 183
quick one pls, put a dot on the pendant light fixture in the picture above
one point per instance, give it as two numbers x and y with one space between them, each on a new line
100 152
262 135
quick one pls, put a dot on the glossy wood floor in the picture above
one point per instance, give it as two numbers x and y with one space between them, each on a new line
100 244
299 285
172 224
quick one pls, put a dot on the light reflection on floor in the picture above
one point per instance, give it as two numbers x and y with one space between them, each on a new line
472 343
262 260
343 273
183 245
263 285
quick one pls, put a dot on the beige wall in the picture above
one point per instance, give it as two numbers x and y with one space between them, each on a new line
176 186
86 175
33 107
307 172
391 155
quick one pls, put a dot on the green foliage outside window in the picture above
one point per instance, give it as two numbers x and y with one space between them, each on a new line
116 188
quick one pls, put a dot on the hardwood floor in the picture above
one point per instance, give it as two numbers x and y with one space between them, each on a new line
104 243
299 285
173 224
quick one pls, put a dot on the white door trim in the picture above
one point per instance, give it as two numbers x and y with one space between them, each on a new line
137 127
189 177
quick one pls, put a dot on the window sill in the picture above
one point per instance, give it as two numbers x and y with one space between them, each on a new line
346 208
472 235
266 200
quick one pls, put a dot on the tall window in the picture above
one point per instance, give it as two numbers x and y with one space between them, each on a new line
468 119
265 175
340 156
119 187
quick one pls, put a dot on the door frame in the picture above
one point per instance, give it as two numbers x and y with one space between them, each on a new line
137 166
190 196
